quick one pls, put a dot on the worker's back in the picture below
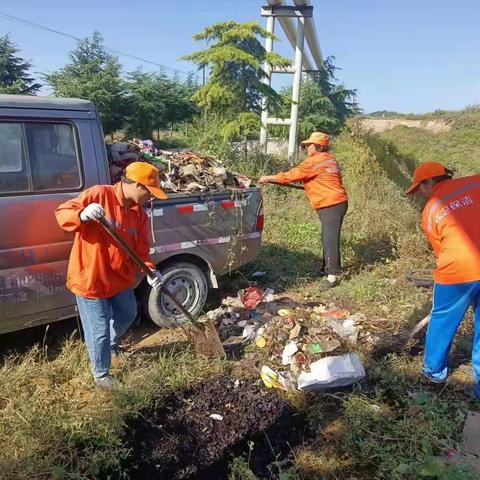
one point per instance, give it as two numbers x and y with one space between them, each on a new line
451 220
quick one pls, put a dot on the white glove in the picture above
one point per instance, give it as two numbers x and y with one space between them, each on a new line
93 212
156 282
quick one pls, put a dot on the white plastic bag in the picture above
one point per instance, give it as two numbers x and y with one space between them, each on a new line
329 372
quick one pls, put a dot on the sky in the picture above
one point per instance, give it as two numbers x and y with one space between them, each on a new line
409 56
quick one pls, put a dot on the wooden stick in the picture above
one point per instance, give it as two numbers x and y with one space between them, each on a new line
142 266
288 185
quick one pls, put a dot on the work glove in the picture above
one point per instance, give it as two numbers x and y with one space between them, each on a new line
156 282
92 212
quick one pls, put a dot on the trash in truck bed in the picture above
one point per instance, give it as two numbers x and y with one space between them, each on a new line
181 170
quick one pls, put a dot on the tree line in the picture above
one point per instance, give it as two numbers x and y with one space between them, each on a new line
137 102
141 102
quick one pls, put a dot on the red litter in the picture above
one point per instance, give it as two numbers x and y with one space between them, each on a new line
251 297
339 314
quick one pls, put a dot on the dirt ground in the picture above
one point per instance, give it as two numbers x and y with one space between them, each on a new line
180 440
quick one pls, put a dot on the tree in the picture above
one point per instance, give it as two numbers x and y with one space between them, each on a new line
235 58
180 106
145 103
14 70
156 102
325 104
93 74
242 127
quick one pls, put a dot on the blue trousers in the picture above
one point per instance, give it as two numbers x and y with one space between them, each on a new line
104 320
450 304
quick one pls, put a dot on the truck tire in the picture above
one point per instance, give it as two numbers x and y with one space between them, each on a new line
187 283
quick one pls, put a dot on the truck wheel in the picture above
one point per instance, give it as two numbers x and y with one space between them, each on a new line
188 284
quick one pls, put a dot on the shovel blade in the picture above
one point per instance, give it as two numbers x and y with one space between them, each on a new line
206 341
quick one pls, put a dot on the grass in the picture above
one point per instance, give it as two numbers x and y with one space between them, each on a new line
54 424
398 425
393 428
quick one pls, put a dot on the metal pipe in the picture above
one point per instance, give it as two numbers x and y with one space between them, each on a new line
268 81
297 79
311 36
288 27
279 121
313 43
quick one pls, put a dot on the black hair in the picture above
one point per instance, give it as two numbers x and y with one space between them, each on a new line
448 175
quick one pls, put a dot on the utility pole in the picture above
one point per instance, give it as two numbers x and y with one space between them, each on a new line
271 12
267 80
297 80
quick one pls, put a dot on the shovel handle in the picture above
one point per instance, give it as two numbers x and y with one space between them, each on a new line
142 266
288 185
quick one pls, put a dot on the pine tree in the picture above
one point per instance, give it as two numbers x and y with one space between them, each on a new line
14 70
235 58
95 75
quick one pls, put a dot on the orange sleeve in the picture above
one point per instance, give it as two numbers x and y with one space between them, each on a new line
143 243
68 213
297 174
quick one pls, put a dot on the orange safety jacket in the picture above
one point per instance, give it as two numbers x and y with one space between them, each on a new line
322 180
98 267
451 221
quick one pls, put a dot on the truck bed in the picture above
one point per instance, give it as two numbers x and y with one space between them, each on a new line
221 227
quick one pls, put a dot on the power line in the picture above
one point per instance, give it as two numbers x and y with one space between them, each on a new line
63 34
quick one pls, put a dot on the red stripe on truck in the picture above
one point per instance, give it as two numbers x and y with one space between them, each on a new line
185 208
228 204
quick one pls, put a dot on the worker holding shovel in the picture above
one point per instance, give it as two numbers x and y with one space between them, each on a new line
100 273
322 180
450 221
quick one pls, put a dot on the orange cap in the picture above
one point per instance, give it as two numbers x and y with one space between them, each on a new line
318 138
424 172
148 176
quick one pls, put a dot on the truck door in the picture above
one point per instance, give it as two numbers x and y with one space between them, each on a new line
40 167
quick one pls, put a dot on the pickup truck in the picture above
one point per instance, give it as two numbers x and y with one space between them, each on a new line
53 148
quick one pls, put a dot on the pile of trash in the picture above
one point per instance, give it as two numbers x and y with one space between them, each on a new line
308 346
182 171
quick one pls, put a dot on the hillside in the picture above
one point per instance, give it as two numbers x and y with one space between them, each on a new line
380 125
458 148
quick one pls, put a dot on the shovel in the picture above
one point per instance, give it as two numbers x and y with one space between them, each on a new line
403 340
288 185
202 334
405 337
